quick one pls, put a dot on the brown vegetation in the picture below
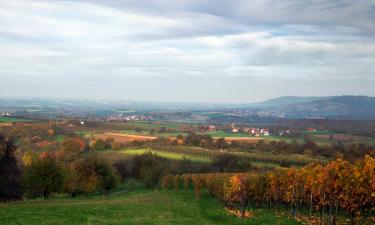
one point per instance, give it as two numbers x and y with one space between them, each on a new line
124 138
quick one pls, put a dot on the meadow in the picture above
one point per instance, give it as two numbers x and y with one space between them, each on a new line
139 206
12 119
168 155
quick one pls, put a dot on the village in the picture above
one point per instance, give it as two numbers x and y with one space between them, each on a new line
258 131
123 118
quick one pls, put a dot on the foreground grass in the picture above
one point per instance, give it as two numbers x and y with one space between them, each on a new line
135 207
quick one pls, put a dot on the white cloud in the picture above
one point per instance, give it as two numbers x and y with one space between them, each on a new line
112 41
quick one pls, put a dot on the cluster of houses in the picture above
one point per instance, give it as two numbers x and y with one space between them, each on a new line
211 128
257 132
257 113
4 114
122 117
286 132
311 130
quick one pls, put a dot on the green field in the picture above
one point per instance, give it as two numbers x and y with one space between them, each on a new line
200 155
133 207
59 137
84 133
169 155
222 134
12 119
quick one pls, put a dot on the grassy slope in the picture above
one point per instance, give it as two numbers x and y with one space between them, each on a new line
169 155
259 159
138 207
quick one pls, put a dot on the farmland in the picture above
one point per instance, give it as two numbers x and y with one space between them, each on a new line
169 155
124 138
197 154
153 129
13 119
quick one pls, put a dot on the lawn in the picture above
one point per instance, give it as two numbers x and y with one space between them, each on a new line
169 155
134 207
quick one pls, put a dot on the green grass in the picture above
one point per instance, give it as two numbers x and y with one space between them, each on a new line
84 133
283 138
12 119
222 134
169 155
59 137
135 207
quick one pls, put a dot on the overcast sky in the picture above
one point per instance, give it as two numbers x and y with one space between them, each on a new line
186 50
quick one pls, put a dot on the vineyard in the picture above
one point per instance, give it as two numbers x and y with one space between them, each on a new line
326 194
257 158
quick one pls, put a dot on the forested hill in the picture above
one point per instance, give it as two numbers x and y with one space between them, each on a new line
358 107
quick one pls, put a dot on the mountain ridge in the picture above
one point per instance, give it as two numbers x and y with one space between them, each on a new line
351 106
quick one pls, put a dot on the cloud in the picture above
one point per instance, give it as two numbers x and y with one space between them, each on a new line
129 43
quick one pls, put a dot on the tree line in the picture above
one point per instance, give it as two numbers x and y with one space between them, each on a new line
307 146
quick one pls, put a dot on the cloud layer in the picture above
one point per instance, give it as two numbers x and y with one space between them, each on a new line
214 51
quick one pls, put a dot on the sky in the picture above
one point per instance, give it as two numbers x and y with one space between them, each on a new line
232 51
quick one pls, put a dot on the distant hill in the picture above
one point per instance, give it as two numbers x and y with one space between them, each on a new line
287 100
353 107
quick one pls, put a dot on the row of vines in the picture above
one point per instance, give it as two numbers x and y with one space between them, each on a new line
278 160
323 191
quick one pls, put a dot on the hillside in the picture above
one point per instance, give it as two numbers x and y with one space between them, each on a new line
351 107
137 207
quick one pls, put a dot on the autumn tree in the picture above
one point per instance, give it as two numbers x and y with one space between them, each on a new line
42 177
226 162
90 173
108 177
